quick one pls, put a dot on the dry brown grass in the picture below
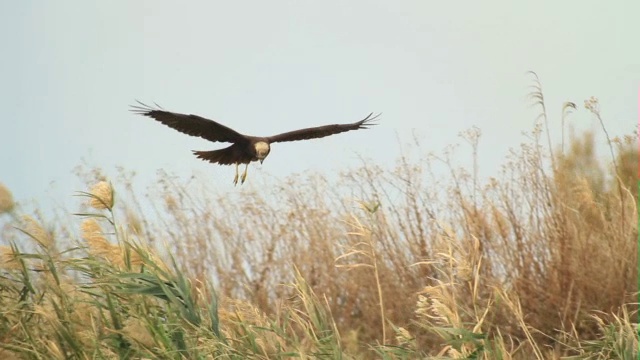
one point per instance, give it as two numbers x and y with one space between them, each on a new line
539 261
530 256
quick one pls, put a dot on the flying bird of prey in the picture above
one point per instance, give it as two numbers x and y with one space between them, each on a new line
244 149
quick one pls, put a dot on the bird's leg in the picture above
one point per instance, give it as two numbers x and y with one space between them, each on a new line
244 175
235 179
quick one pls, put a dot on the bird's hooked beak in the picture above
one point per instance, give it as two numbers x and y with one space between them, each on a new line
261 160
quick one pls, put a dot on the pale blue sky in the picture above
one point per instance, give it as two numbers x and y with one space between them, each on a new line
70 69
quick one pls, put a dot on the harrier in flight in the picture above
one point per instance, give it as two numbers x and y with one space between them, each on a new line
244 149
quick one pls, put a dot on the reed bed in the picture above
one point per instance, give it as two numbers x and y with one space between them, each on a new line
538 262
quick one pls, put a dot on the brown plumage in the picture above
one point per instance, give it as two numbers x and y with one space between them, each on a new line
244 148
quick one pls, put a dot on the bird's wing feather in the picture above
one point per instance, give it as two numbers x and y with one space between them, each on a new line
322 131
193 125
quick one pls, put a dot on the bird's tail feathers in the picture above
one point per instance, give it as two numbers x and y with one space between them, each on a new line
223 156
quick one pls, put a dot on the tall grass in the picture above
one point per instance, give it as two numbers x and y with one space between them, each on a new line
539 261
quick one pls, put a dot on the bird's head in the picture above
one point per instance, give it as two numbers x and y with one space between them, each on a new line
262 150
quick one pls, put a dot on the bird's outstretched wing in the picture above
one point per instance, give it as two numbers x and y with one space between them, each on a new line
322 131
193 125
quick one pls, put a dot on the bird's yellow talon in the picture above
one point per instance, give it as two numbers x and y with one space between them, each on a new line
244 175
235 178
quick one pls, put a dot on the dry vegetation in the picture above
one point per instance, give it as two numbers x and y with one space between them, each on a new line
539 262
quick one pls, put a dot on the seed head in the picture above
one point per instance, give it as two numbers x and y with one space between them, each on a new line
102 196
37 232
6 199
8 259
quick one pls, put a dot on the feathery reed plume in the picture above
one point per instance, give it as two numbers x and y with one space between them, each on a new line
538 97
8 259
99 246
35 230
91 230
403 336
6 199
101 196
566 110
365 250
